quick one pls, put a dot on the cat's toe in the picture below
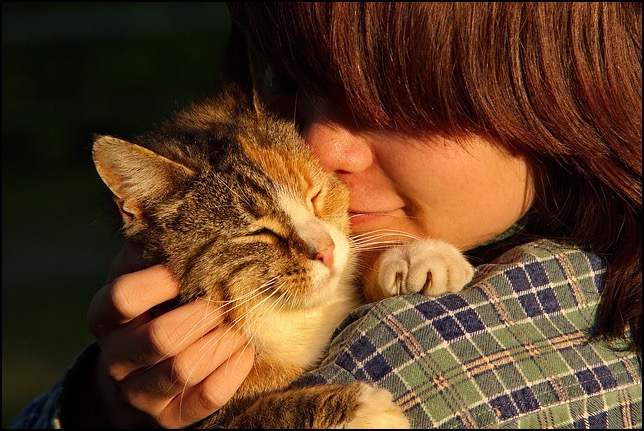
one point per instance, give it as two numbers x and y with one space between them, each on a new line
448 274
393 273
460 275
376 409
437 267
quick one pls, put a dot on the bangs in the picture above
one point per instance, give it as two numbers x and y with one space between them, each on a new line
525 74
329 50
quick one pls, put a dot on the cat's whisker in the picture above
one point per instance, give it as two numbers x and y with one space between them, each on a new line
238 302
385 214
397 231
262 289
246 296
379 246
376 239
254 309
224 304
242 198
225 206
380 239
258 307
374 213
385 232
197 327
278 301
297 94
376 242
386 238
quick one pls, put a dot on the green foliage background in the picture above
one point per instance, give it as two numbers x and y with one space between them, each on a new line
70 70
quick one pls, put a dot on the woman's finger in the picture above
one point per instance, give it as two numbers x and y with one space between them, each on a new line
128 259
162 338
130 296
152 390
202 400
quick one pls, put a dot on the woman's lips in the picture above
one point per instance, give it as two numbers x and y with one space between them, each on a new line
358 218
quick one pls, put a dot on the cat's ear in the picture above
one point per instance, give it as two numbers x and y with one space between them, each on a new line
135 175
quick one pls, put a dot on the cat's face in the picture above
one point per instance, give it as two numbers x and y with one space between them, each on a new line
235 204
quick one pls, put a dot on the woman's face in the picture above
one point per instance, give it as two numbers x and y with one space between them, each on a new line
463 192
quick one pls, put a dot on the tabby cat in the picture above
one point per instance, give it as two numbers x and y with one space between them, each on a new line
231 199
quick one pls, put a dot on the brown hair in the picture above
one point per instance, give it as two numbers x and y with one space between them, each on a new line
558 82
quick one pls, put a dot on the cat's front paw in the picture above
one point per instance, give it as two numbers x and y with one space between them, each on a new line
377 410
429 266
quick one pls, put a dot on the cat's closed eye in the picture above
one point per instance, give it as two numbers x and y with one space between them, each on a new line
268 233
267 230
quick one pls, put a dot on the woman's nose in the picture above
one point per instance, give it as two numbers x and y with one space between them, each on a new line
338 149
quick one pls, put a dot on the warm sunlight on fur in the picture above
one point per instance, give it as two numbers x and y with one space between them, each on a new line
239 209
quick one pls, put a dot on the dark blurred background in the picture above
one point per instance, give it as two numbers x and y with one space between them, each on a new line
70 70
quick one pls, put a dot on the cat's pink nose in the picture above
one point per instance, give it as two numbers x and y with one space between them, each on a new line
326 256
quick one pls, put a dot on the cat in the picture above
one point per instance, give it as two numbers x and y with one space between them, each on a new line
233 201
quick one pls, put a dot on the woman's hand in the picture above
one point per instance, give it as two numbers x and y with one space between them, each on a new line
175 366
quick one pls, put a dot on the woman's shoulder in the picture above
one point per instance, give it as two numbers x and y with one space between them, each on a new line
45 411
535 280
513 349
545 262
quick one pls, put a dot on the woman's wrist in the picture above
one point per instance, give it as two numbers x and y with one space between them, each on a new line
80 404
91 399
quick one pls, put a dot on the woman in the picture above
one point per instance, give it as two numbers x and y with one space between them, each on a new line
512 130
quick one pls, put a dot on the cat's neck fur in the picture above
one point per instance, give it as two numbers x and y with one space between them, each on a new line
298 338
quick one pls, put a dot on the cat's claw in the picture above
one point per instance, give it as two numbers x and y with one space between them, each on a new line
429 266
376 410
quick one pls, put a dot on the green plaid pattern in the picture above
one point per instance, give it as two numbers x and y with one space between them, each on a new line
511 351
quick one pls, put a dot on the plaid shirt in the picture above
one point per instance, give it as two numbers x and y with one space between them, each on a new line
511 351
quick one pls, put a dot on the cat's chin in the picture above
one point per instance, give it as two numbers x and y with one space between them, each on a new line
329 284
